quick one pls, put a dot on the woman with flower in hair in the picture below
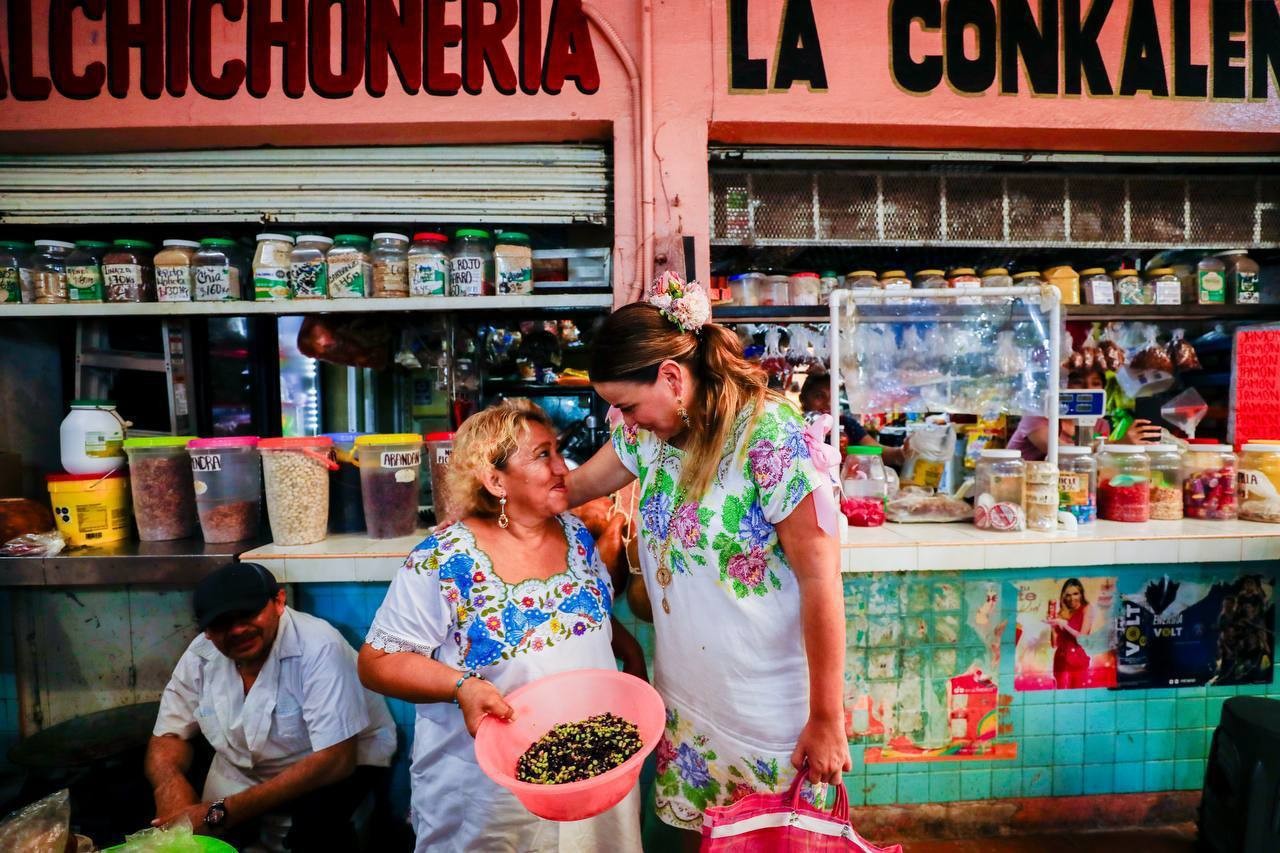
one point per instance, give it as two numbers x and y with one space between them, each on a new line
738 547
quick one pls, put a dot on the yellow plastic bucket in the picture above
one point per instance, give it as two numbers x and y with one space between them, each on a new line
91 509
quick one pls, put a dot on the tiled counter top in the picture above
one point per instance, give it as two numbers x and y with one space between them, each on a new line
891 548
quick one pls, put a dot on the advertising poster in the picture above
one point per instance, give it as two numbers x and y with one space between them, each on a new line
1176 631
923 655
1065 634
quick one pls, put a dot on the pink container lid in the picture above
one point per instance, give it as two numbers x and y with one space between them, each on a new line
223 443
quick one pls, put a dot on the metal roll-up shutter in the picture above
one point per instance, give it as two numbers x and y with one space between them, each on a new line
477 183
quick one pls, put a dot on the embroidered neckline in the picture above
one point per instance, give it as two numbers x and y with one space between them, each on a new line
490 572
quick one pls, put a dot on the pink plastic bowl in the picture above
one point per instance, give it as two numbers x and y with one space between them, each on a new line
569 697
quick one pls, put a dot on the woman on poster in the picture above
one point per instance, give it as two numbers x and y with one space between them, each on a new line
1074 621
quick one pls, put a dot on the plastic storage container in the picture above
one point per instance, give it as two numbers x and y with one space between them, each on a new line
1078 483
15 272
862 280
164 498
350 267
390 265
346 506
738 290
1241 277
439 449
1040 496
1258 483
1067 282
471 267
996 277
49 271
228 486
175 280
1209 482
127 273
218 270
1129 287
271 267
776 290
1124 483
930 280
389 471
513 263
865 486
1165 286
999 482
829 280
964 278
308 269
1166 481
1096 287
1211 281
296 474
92 438
90 509
428 264
84 271
805 288
895 280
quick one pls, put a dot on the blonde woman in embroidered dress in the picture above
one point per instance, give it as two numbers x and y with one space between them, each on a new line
512 592
739 555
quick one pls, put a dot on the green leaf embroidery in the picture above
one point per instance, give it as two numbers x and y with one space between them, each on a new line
740 589
773 579
732 512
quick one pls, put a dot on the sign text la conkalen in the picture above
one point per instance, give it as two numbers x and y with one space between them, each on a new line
178 54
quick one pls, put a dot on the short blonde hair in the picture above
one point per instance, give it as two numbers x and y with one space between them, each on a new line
487 440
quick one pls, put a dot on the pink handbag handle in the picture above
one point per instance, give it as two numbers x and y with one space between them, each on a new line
839 810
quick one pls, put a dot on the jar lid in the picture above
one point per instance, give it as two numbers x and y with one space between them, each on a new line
128 244
343 437
1211 448
995 271
159 441
1160 271
861 274
14 244
1093 271
830 274
894 274
1261 448
804 275
295 442
1027 274
314 238
187 244
61 244
88 403
463 233
223 442
998 453
1163 448
391 235
92 244
517 236
388 438
284 238
930 272
963 271
445 436
430 236
350 240
218 242
1124 448
863 450
80 478
1125 272
1073 450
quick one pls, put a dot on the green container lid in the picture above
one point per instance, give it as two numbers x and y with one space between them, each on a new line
16 244
863 450
219 242
92 244
830 274
471 232
350 240
159 441
133 244
513 236
85 401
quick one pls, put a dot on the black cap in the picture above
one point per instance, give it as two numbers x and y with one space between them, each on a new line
233 588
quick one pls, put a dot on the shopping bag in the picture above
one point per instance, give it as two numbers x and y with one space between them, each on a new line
775 823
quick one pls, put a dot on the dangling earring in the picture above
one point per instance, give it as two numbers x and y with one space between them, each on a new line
684 416
503 521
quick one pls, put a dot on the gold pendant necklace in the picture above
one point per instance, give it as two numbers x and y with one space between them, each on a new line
663 575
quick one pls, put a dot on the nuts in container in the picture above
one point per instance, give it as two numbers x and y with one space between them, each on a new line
164 497
296 471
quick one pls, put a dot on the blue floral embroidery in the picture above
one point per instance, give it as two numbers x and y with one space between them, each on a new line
587 542
516 623
754 529
792 438
796 492
482 649
458 569
657 515
692 766
606 600
582 603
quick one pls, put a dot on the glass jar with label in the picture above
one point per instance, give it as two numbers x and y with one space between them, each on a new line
49 271
1241 277
471 267
1258 483
776 290
1129 287
1166 481
829 280
428 264
1041 496
270 267
805 288
1096 287
216 270
308 269
1124 483
1211 281
175 281
895 280
1078 483
1067 282
513 263
862 280
84 271
127 273
929 280
390 257
1028 278
996 277
864 484
1209 482
350 267
963 278
15 272
1164 287
999 482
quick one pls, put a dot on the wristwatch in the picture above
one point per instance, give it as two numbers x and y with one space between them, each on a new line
216 816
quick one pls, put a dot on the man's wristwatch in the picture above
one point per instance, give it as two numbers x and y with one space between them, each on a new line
216 816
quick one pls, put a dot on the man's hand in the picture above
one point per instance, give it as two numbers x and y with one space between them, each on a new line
195 813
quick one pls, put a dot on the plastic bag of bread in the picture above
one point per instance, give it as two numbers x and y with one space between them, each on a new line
41 827
1182 353
912 505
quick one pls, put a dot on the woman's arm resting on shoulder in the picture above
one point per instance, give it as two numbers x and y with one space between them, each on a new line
601 475
815 558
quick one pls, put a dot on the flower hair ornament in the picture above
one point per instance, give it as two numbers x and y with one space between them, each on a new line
685 304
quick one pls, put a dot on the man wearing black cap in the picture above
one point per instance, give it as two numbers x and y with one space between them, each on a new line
298 742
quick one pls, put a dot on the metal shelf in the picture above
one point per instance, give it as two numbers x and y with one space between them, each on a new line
178 563
535 302
1171 313
770 313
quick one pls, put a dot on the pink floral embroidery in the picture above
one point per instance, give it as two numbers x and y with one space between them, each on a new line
631 433
685 526
666 754
769 462
749 568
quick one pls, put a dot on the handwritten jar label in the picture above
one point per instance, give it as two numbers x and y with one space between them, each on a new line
213 284
427 277
84 284
206 462
466 275
400 458
173 284
123 282
348 279
309 279
10 289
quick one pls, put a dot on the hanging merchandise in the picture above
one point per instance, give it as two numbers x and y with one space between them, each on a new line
1150 370
774 361
1182 353
1185 411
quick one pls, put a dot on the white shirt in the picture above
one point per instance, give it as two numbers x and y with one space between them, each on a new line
307 697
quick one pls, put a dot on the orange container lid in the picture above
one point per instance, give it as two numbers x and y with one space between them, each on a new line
295 442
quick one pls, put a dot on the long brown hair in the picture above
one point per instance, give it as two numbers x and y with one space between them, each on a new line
636 339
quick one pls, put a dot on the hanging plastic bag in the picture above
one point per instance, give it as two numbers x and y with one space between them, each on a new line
928 452
1185 411
39 827
1181 353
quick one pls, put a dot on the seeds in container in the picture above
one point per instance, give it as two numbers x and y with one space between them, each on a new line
572 752
297 486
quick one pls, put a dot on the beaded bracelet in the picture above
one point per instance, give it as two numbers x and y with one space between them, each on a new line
457 688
